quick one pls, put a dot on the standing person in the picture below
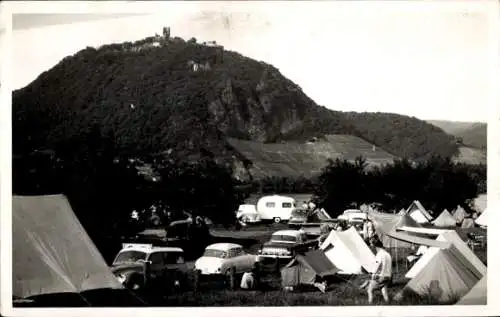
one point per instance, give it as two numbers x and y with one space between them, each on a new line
382 277
368 231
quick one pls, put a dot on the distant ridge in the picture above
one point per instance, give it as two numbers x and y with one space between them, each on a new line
472 134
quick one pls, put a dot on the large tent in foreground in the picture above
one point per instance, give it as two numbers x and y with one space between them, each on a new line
52 253
452 239
348 252
477 295
448 276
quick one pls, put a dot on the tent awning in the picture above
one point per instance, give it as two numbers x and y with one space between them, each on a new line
401 236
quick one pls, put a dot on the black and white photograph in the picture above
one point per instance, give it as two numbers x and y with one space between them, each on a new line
250 155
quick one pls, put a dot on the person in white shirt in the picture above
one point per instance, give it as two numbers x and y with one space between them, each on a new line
382 277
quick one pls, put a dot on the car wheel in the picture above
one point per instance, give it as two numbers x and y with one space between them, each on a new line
245 219
277 220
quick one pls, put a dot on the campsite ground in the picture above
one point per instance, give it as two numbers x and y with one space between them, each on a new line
343 292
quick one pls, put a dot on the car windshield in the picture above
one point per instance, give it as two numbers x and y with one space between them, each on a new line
212 253
130 256
280 237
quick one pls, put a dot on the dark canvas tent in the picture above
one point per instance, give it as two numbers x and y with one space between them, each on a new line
52 253
477 295
304 269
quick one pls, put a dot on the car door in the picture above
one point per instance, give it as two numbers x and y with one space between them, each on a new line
156 266
247 259
233 261
175 266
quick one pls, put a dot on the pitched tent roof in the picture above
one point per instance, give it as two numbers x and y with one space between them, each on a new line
418 212
407 221
52 253
445 219
303 269
347 251
452 238
448 275
460 214
385 223
482 220
468 223
477 295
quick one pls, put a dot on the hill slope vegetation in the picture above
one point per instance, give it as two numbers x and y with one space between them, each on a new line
472 134
165 93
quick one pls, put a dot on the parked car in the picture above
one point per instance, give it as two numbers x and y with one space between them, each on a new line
285 244
138 266
247 214
221 258
309 217
353 215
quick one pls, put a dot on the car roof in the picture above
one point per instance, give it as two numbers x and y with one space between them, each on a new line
150 249
223 246
287 232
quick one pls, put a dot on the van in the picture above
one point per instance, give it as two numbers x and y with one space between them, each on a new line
276 208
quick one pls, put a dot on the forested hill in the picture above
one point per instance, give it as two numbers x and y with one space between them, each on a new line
162 92
471 134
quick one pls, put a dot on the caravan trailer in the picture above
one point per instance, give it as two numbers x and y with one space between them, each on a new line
276 208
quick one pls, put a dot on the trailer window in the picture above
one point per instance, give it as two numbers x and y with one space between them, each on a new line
270 204
286 205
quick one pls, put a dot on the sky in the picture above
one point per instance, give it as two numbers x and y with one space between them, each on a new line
431 63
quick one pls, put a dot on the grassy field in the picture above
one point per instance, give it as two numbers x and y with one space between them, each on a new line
342 292
306 159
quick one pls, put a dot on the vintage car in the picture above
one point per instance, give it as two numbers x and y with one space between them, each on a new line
222 258
309 217
353 216
247 214
138 266
284 244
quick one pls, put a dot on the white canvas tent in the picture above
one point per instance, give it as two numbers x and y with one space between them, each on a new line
460 214
52 253
468 223
348 252
418 212
448 276
454 240
477 295
481 203
482 220
445 219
